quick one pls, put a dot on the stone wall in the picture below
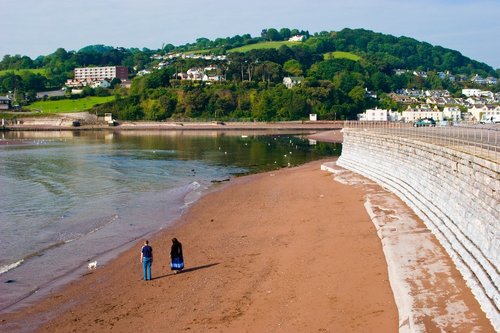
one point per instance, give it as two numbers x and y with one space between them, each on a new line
455 194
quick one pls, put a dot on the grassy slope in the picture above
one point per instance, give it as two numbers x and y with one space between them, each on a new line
262 45
68 105
341 55
41 71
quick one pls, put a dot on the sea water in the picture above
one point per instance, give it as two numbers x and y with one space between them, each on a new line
69 198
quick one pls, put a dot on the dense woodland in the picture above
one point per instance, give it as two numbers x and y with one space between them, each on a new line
334 88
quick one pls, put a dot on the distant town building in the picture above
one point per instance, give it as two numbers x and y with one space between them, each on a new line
370 94
374 115
195 74
143 72
478 79
399 71
394 116
207 74
479 112
5 103
420 74
491 80
471 92
414 114
97 76
403 99
297 38
101 73
452 113
100 84
292 81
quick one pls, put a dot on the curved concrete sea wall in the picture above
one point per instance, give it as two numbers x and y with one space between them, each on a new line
456 194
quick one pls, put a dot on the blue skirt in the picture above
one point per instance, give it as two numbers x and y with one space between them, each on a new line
177 263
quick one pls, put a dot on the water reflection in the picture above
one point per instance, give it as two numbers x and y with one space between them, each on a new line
80 188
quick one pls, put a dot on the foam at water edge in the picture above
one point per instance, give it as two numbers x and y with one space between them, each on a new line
6 268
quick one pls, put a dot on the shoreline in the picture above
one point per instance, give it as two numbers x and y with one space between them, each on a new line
183 126
273 257
225 260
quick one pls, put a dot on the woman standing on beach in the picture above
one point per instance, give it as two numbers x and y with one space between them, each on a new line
177 260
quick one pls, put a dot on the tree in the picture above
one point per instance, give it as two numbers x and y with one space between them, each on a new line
264 108
88 91
263 34
293 68
195 102
380 82
152 110
11 82
224 103
273 35
358 95
285 33
168 103
269 71
294 106
115 82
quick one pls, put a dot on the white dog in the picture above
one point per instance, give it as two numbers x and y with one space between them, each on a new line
92 265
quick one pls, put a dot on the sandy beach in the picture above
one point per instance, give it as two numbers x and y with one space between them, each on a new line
285 251
290 250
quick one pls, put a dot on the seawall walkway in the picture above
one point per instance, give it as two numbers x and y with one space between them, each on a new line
451 179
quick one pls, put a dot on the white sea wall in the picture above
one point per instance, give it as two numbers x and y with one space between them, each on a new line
457 195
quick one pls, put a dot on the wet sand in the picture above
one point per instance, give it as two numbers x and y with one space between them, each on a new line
290 251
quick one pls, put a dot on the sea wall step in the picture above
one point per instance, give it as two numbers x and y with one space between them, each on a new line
454 193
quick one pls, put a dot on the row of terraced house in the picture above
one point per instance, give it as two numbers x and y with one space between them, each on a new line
474 114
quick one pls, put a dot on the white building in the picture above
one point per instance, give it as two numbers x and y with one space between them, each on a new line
394 116
484 111
101 73
212 78
297 38
478 79
195 74
5 103
491 80
143 72
100 84
374 115
292 81
414 114
477 93
452 113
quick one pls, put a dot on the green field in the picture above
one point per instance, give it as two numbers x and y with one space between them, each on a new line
341 55
263 45
68 105
41 71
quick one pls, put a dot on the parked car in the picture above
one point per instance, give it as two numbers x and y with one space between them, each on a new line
490 119
426 122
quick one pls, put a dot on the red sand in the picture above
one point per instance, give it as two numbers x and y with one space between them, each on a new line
284 251
289 251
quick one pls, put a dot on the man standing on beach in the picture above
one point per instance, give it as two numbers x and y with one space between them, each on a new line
147 260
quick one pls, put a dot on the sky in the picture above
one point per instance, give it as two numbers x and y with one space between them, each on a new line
39 27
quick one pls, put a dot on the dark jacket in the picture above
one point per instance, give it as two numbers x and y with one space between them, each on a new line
176 250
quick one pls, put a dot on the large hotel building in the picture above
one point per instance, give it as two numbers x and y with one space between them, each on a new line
101 73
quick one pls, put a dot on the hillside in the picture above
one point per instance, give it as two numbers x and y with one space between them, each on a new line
245 74
263 45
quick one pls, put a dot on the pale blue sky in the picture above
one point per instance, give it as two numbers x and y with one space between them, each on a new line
39 27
